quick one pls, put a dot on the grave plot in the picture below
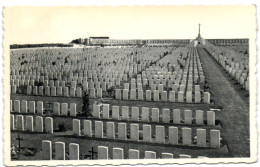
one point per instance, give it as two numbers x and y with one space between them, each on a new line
61 74
236 64
177 77
108 131
48 103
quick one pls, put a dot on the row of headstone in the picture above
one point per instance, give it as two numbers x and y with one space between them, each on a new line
102 152
58 108
72 81
161 87
156 83
54 91
60 152
155 95
145 114
169 79
72 84
63 92
18 123
63 109
146 133
118 153
238 71
26 107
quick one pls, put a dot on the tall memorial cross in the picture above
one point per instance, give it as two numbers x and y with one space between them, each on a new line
199 28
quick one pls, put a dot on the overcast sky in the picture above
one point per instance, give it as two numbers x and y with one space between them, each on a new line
61 24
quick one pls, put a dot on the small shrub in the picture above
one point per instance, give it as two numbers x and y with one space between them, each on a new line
62 127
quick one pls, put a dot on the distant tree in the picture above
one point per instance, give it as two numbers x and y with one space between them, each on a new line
111 91
36 83
85 107
61 127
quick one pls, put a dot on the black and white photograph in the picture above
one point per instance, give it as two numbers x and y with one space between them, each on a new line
128 85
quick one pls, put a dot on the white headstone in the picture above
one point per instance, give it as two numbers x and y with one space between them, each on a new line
118 94
155 95
149 155
98 129
76 127
29 123
73 109
166 115
147 133
73 151
39 124
176 116
39 107
134 132
125 113
148 95
24 106
133 94
187 117
122 131
214 138
17 106
59 151
19 123
199 117
106 111
48 125
145 114
140 95
56 108
164 96
186 136
96 110
155 115
210 118
115 112
172 96
46 150
201 137
167 156
133 154
102 152
135 114
118 153
110 130
12 122
64 109
173 135
87 129
99 93
53 91
125 94
180 96
159 134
